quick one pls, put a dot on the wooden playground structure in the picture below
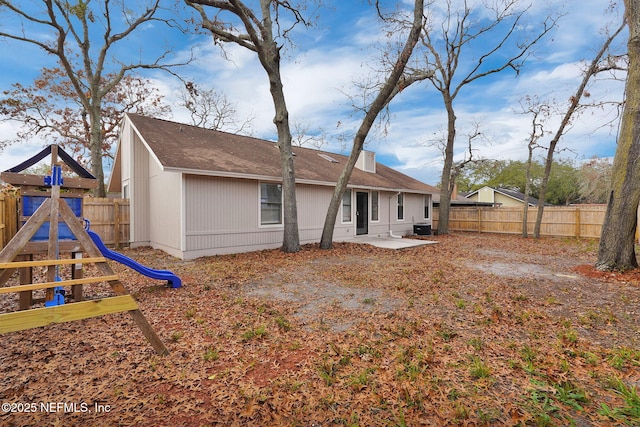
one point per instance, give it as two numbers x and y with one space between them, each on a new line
53 227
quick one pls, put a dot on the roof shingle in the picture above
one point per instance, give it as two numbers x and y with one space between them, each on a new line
191 149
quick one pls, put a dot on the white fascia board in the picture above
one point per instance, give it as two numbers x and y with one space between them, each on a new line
149 150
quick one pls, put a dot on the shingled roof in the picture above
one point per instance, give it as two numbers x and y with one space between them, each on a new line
190 149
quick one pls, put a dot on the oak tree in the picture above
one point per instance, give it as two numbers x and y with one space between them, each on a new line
617 241
462 45
211 109
263 29
596 66
390 88
50 109
88 39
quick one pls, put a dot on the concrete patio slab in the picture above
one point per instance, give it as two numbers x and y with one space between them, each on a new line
392 243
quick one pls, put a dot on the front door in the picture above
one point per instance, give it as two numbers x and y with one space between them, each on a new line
362 213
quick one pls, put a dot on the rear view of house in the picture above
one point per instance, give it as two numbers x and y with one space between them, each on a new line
197 192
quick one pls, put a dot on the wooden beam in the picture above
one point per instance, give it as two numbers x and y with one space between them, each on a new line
39 247
27 319
47 262
77 272
38 181
117 286
53 284
6 275
52 246
148 332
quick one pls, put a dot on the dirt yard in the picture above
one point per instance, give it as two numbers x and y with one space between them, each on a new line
475 330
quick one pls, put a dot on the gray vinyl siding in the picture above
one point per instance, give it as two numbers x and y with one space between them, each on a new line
312 203
413 214
221 216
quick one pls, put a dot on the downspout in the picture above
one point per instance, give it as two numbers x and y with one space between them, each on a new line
390 231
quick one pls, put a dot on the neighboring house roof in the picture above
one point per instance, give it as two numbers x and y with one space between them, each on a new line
513 194
190 149
457 199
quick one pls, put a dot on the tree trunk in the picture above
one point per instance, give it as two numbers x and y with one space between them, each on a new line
326 241
291 237
447 185
617 242
527 191
386 94
95 148
573 106
543 187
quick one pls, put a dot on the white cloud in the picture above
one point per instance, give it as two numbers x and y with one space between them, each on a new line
317 77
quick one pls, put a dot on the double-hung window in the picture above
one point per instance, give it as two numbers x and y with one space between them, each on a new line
270 204
346 206
375 206
400 206
427 206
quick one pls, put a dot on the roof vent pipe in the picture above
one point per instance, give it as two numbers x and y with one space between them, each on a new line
391 231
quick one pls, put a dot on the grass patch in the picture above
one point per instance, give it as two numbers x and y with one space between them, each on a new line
283 323
629 413
255 333
624 357
211 355
479 369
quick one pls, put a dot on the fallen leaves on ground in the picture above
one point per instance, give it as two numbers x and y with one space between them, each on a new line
477 329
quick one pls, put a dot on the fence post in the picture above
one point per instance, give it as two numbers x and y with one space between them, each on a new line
577 223
3 226
9 218
116 223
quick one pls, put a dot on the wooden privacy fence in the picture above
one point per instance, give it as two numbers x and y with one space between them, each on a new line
8 218
109 219
561 221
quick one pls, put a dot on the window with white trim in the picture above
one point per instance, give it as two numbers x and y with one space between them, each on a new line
400 206
427 206
375 206
346 206
270 204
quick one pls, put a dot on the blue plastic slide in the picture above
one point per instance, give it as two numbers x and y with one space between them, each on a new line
174 281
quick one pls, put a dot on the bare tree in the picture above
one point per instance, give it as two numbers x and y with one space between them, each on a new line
304 136
393 84
540 113
485 46
468 159
81 35
595 67
210 109
617 241
262 30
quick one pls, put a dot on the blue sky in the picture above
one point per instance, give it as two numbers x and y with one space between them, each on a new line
319 72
